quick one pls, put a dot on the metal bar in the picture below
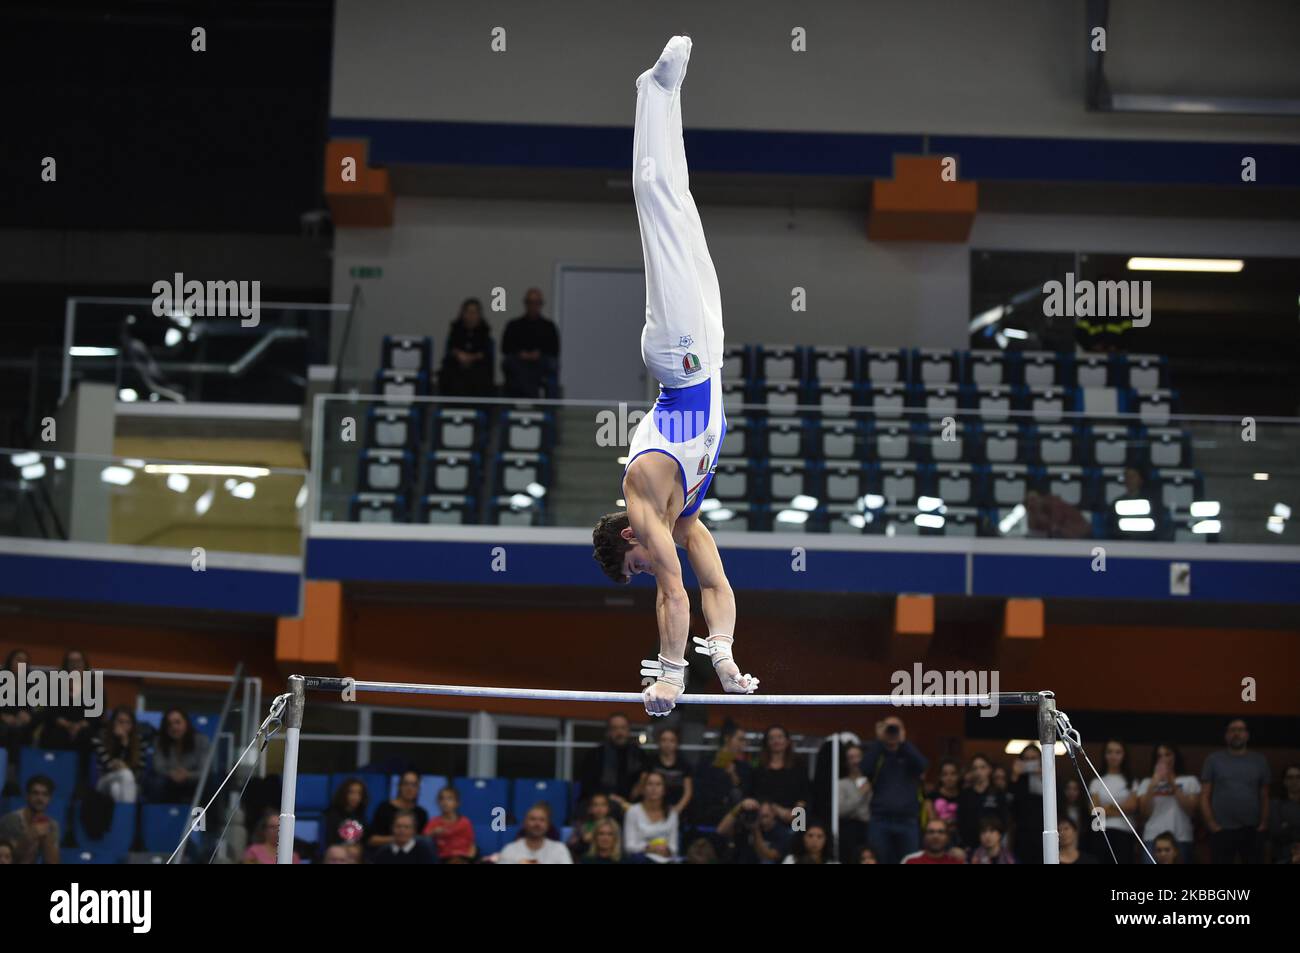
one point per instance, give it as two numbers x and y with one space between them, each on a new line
1047 739
212 748
289 789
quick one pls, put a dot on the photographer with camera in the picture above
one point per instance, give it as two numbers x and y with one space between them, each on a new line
756 834
895 767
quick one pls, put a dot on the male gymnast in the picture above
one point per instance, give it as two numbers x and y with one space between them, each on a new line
674 451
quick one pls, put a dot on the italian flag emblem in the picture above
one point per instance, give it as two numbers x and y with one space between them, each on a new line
690 363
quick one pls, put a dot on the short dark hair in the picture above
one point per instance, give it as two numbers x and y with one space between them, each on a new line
989 823
608 545
41 779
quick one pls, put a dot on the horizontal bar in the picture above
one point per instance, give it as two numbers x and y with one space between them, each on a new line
328 684
507 743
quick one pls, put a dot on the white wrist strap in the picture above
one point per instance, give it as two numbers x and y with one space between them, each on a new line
672 673
716 647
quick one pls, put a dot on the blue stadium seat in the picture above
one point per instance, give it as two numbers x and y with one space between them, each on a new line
74 856
517 472
528 791
888 440
399 386
307 829
430 785
528 431
899 481
1049 404
384 471
1165 447
1038 369
781 396
407 353
59 766
738 362
161 825
831 364
1154 407
4 767
886 401
314 793
931 366
785 437
1095 370
782 479
116 841
1142 372
988 369
734 394
205 725
836 439
1054 445
393 428
1177 489
780 362
452 472
734 516
935 441
994 404
151 718
1070 483
742 437
734 479
448 509
459 429
937 400
889 365
517 509
479 798
836 398
1108 445
957 484
1002 443
377 508
844 482
1008 484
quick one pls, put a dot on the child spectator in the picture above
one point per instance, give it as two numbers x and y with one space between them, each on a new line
584 833
452 834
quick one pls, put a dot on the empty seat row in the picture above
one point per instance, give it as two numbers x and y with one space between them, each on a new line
391 427
760 362
516 509
394 471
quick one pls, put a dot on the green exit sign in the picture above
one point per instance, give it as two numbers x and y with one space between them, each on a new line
367 271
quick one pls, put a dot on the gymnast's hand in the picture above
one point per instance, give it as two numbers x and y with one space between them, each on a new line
660 698
718 649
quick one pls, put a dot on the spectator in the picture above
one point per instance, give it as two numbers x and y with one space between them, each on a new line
177 761
451 832
650 825
944 798
615 766
1291 853
340 854
992 850
1118 780
1284 815
66 728
935 847
533 846
895 767
675 769
467 359
405 847
30 829
408 795
6 852
1166 849
755 834
1168 800
606 844
855 803
780 778
1027 804
978 801
1067 833
267 837
1047 515
345 818
16 724
1001 780
530 352
701 851
1234 798
813 846
584 833
121 751
867 856
723 782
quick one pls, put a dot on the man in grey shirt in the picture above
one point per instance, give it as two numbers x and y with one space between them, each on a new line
1234 798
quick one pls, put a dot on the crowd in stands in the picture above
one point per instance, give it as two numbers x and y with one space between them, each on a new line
530 353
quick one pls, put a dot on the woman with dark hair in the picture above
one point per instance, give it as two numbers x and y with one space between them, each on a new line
467 359
1168 801
66 727
780 777
855 802
408 794
723 782
1122 796
978 801
1067 833
650 826
266 841
813 846
345 818
1027 804
121 751
16 724
676 770
944 798
177 761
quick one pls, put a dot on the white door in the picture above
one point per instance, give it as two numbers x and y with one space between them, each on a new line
600 312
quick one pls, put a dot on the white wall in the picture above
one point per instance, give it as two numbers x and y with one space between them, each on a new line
983 67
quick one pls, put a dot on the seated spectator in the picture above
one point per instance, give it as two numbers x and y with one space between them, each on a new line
674 768
452 834
855 803
616 766
408 794
345 818
650 825
6 852
779 777
584 832
1067 833
1167 801
340 854
266 841
991 849
66 728
606 844
121 750
1002 780
467 361
1119 803
812 846
1291 853
934 846
177 761
16 724
533 846
895 767
33 832
1284 815
1026 795
1077 807
722 783
405 847
701 851
530 350
1234 798
867 856
755 834
1166 849
978 801
1047 515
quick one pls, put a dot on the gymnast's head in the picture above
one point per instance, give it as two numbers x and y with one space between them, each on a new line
620 554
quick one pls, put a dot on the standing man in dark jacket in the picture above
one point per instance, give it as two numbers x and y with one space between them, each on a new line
531 351
895 767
